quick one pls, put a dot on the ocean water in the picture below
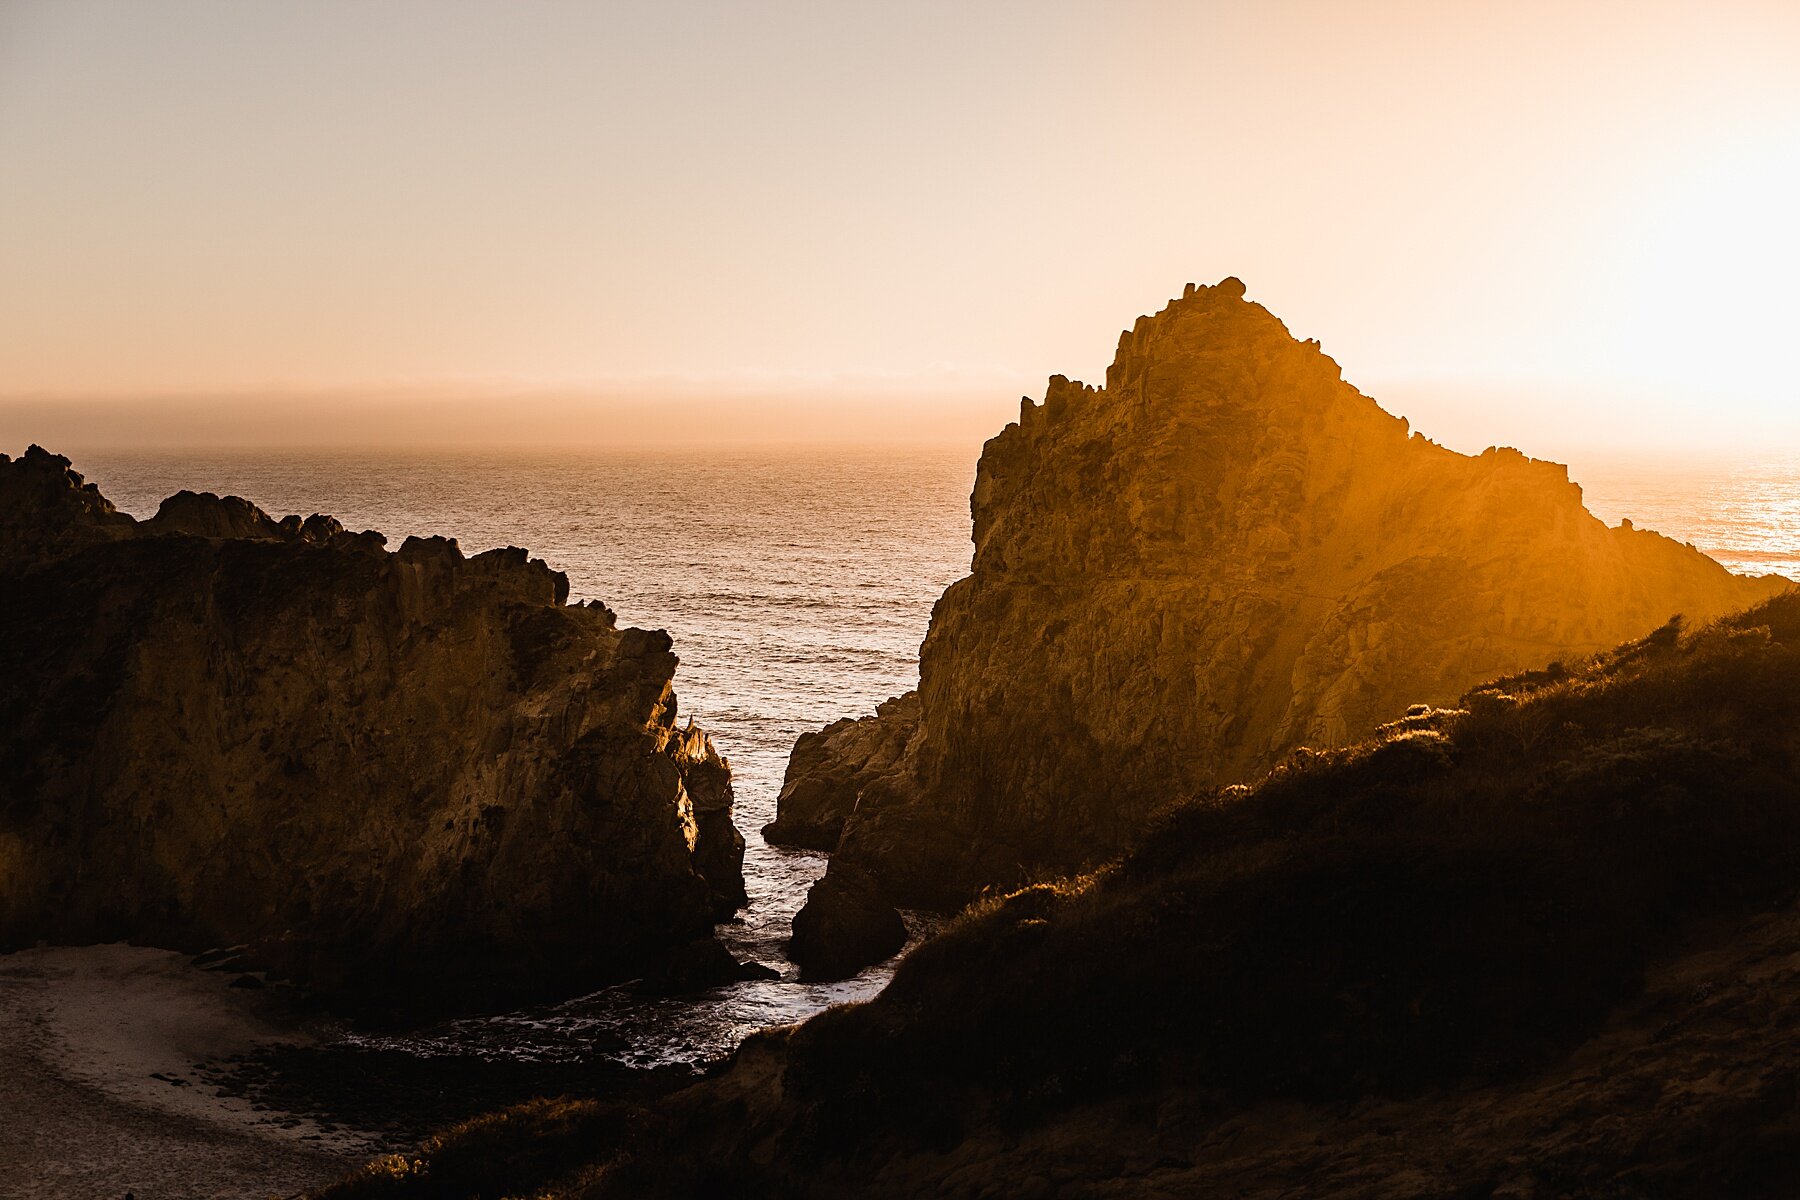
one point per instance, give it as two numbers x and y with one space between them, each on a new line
797 586
1743 512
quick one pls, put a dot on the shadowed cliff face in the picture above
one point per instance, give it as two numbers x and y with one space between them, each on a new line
395 773
1544 944
1223 555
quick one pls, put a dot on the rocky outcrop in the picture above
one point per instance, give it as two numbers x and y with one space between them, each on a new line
844 925
825 771
400 775
1542 944
48 511
1224 554
718 847
202 514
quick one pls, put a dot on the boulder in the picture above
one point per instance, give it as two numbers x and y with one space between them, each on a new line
844 926
700 964
202 514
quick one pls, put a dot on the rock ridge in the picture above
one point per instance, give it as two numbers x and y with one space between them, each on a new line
398 774
1224 554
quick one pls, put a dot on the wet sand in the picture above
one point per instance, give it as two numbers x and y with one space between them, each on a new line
101 1090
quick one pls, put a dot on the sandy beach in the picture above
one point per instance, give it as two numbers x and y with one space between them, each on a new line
101 1050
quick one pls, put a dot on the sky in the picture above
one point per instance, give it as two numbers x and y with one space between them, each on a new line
1557 226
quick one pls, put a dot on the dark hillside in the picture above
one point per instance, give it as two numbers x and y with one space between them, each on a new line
1569 899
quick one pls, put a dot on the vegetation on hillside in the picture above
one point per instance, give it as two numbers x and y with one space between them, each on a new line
1456 902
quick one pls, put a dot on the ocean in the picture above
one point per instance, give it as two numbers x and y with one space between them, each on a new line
797 586
1744 512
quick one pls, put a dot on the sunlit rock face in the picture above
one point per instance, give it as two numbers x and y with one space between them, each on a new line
408 775
827 768
1224 554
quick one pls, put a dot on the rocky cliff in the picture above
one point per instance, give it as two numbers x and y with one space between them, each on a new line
829 765
1224 554
1544 944
398 774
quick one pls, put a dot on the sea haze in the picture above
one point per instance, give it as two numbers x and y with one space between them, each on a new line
797 586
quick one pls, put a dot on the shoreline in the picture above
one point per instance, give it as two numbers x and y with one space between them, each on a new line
103 1073
127 1069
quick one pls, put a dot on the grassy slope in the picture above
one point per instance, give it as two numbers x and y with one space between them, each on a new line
1457 904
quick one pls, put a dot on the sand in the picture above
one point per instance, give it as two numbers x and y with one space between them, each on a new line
101 1091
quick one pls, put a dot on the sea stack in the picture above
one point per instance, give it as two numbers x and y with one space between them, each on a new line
400 777
1223 555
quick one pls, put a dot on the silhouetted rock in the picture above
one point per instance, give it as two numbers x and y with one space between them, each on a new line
408 776
844 926
1541 943
1223 555
696 966
321 529
203 514
47 510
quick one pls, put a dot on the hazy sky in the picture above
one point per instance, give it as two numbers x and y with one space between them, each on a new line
1551 224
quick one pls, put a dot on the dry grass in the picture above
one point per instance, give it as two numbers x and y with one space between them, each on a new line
1461 898
544 1149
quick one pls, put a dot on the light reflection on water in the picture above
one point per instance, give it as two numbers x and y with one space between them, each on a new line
623 1026
1745 513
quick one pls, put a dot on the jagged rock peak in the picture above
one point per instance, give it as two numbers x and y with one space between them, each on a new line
1225 553
46 506
1202 322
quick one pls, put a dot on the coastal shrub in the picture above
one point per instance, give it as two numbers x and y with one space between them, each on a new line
1461 899
542 1147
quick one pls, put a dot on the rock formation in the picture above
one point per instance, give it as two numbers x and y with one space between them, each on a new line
1543 944
845 926
399 774
826 766
1224 554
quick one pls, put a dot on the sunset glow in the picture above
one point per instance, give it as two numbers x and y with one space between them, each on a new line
800 599
1533 223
